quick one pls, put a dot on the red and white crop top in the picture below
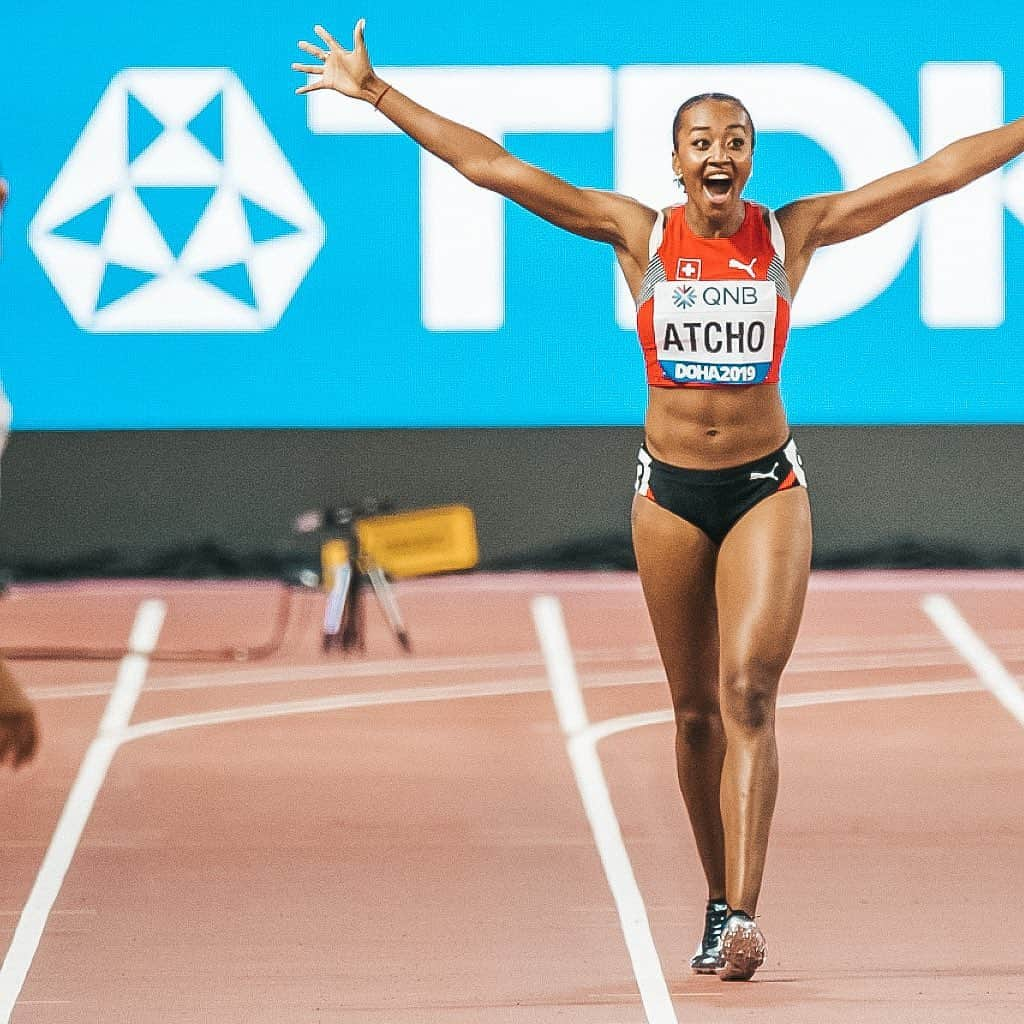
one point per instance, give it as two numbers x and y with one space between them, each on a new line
714 312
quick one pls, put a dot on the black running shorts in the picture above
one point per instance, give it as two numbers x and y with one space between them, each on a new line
715 499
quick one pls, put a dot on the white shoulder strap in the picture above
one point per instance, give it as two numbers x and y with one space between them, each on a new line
778 239
657 233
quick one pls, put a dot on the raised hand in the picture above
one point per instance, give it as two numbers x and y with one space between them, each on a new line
346 71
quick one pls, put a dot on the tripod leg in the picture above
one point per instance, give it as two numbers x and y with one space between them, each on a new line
352 631
334 610
386 597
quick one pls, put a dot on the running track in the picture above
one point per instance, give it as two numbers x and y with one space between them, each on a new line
386 839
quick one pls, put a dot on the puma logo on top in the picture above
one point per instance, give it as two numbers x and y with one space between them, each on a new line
735 264
770 475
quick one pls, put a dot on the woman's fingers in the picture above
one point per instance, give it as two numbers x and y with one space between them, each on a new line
327 37
338 67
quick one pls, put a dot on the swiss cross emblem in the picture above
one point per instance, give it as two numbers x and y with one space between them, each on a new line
688 270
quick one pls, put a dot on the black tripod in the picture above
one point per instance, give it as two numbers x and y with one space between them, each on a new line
344 612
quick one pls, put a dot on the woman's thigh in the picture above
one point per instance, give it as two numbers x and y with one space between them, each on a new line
761 582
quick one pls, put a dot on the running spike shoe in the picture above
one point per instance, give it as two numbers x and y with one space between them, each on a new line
743 948
708 959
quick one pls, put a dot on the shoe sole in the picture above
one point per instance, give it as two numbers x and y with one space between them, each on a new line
743 950
709 969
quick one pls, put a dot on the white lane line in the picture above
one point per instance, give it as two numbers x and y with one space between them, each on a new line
909 580
824 655
93 771
277 674
856 694
826 581
561 667
508 688
593 788
894 691
976 653
339 702
573 581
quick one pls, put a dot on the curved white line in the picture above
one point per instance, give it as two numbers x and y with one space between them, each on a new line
898 691
507 688
339 702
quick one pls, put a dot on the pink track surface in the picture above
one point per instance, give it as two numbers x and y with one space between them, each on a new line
414 849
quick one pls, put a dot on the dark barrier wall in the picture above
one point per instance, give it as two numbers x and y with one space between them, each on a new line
69 494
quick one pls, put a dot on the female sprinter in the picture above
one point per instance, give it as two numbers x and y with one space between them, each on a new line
721 523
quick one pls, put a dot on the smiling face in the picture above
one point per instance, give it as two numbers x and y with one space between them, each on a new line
713 157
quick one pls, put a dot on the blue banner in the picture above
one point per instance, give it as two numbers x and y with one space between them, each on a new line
189 244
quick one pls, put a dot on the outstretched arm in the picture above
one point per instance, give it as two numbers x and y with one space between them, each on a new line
827 219
624 223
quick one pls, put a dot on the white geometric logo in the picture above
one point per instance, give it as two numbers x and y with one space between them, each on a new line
176 211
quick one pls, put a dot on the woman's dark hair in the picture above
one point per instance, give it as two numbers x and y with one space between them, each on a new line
722 97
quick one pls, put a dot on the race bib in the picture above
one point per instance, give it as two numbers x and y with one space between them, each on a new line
715 332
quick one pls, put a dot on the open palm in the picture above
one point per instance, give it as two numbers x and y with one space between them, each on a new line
345 71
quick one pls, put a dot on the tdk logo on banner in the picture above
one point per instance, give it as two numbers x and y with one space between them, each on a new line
960 237
176 211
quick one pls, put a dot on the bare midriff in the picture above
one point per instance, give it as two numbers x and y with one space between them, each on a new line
714 428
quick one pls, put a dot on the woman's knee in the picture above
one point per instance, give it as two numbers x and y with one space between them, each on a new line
749 692
697 724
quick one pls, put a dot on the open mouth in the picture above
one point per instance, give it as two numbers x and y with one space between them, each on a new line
718 186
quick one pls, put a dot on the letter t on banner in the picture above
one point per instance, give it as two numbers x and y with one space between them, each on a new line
462 236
